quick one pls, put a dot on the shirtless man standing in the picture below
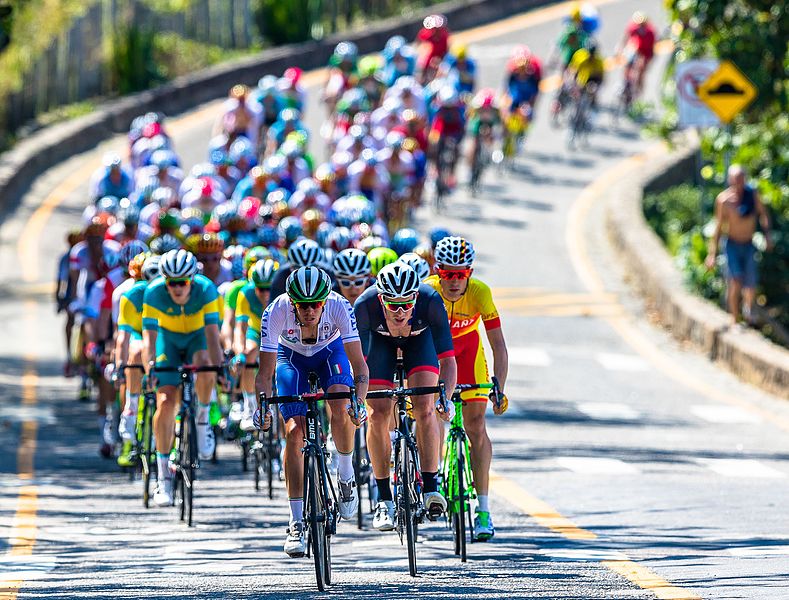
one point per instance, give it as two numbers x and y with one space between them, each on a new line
736 210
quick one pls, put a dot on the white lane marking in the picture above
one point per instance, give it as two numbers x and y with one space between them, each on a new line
723 414
43 381
590 554
608 411
208 547
212 566
16 568
589 465
621 362
528 356
777 550
740 467
28 412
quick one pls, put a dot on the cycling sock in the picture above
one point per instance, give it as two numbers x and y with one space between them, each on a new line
202 414
249 401
296 509
482 503
345 465
132 403
429 481
163 466
384 489
100 421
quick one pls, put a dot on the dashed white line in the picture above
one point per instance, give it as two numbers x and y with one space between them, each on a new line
621 362
589 465
740 467
528 356
722 414
24 568
608 411
777 550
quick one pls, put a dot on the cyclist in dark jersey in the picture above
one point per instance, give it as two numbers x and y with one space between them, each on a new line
399 312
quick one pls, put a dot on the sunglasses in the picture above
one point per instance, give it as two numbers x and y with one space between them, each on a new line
210 258
352 282
312 305
178 282
450 275
398 305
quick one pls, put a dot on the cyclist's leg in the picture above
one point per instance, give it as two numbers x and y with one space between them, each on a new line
381 359
421 364
247 376
335 376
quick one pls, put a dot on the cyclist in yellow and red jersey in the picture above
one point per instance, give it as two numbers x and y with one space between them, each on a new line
469 301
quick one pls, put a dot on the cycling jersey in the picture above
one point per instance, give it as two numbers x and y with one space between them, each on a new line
160 312
642 38
231 292
587 67
572 39
429 341
278 326
130 314
475 305
249 310
117 294
100 295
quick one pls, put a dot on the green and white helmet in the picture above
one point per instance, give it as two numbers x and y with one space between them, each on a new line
308 284
261 274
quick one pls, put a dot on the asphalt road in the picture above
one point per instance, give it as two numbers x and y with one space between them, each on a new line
626 467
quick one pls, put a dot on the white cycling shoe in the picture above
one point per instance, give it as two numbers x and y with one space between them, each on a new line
383 519
349 499
127 427
295 544
206 442
163 496
435 505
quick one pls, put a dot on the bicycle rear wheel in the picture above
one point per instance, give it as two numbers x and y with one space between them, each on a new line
408 502
459 514
357 472
316 517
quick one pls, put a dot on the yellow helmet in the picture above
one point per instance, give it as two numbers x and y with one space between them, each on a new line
460 51
575 12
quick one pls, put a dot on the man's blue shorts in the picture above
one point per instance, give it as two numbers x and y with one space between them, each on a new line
741 262
330 364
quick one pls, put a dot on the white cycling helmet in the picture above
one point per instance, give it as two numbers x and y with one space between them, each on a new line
417 263
397 280
304 253
130 250
150 268
308 284
178 264
352 262
454 251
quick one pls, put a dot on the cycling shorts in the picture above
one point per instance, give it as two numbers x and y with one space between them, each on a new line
176 349
472 366
331 365
419 354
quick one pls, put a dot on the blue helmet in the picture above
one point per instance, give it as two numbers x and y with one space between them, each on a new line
437 234
404 240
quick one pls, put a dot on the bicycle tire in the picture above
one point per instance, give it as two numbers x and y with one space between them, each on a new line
460 514
180 486
271 449
146 452
357 472
316 523
257 453
244 455
189 469
408 503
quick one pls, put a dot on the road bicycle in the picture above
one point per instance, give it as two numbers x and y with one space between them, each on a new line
321 509
143 453
457 481
184 456
407 480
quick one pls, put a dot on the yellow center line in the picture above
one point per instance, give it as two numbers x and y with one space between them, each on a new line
23 532
550 518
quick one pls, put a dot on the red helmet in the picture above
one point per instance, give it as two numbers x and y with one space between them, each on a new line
485 98
293 74
206 186
248 208
152 130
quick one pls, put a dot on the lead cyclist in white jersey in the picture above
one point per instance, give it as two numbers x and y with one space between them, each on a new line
311 328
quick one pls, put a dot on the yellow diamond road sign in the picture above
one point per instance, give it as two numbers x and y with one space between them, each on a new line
727 91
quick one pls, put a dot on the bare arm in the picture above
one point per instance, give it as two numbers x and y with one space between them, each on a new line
149 347
500 355
712 251
448 373
268 364
214 343
122 347
764 219
361 374
240 336
228 322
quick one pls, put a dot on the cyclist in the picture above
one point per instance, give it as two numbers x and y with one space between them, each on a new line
352 272
523 81
400 313
180 319
129 346
111 179
639 48
252 301
587 70
64 295
483 123
469 301
434 44
311 328
449 123
459 69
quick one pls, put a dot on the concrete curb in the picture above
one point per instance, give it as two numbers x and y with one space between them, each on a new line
689 318
30 157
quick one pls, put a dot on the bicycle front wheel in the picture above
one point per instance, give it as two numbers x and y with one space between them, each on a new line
317 516
188 464
459 516
408 501
146 450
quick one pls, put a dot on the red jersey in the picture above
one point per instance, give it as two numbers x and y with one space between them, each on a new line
642 37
